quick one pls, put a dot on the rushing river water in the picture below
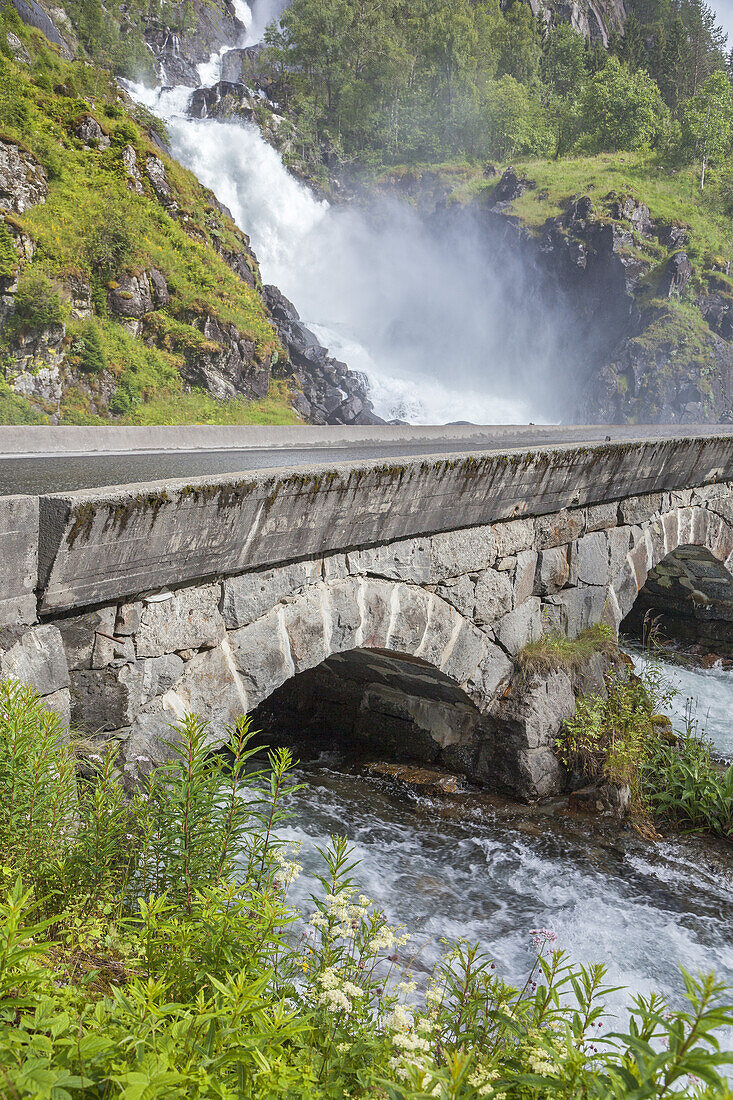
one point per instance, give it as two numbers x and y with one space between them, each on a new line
469 867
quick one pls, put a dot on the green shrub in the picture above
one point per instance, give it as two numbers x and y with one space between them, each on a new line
147 950
687 788
37 304
8 255
120 402
87 349
111 240
124 133
622 737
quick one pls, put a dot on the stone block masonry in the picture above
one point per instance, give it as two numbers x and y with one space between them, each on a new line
209 596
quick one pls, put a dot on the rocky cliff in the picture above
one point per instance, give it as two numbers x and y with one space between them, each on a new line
126 289
596 20
655 340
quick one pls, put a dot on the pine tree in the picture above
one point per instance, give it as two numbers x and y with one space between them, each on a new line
633 50
89 349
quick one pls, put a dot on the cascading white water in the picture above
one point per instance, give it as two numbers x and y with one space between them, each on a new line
642 909
439 334
704 696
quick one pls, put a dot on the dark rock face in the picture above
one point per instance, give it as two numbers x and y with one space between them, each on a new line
242 66
214 25
223 100
677 274
225 364
509 188
34 15
330 392
640 357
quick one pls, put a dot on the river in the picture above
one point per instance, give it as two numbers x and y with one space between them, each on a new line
468 866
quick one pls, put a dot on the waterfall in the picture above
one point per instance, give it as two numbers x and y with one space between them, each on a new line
440 333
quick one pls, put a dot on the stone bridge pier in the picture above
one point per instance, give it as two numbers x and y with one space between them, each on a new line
385 606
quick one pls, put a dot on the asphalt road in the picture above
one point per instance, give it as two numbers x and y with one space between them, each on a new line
36 473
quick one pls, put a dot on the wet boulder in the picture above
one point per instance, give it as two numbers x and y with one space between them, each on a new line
331 393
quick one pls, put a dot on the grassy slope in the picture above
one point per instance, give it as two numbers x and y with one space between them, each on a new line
672 195
39 105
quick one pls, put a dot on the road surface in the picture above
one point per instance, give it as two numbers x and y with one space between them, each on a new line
49 460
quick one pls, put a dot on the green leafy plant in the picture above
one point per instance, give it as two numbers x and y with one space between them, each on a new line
147 949
87 349
37 304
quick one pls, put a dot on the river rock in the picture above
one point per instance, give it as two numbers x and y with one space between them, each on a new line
424 780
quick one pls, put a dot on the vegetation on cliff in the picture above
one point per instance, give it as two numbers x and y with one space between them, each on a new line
425 82
147 949
128 291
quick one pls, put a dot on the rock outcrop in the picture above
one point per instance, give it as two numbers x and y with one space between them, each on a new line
329 393
645 352
596 20
23 181
178 52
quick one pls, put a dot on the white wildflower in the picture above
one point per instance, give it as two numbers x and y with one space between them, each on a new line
335 1000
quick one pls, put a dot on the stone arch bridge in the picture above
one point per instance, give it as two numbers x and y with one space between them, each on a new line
389 597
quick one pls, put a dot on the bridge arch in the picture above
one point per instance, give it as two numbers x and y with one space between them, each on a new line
359 613
670 537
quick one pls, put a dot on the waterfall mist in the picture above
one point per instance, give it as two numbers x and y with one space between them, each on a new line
445 326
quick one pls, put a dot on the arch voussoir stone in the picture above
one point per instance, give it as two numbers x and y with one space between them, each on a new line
409 618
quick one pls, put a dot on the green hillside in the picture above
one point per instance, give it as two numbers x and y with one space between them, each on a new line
113 209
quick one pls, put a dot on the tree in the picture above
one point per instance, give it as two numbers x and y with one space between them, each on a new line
517 42
564 60
514 119
707 123
621 110
88 350
632 47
